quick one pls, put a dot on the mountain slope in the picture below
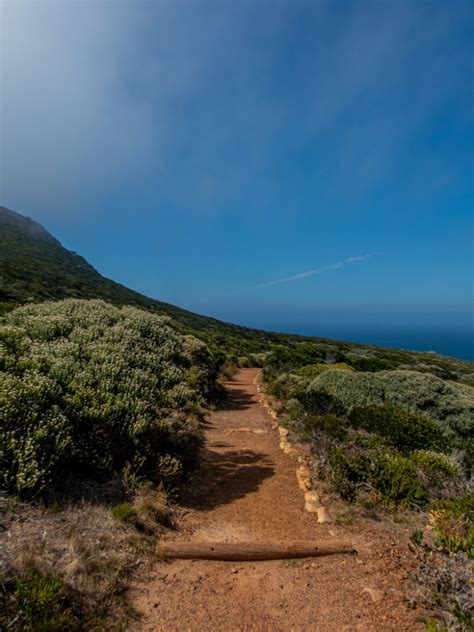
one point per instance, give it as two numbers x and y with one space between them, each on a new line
34 266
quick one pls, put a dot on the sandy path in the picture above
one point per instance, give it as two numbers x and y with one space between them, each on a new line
246 489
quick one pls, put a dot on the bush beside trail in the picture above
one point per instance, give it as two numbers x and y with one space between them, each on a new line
99 404
405 436
450 404
88 388
399 438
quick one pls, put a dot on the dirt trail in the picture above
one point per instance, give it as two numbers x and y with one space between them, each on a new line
246 489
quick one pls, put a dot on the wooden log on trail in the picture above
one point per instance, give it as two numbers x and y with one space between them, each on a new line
251 551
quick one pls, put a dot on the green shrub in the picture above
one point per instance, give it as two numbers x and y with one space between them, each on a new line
332 425
227 371
244 362
355 465
347 387
37 603
357 462
290 357
398 482
257 359
366 464
321 402
405 430
86 387
6 307
452 522
285 386
125 512
440 474
365 440
372 364
294 410
312 371
346 473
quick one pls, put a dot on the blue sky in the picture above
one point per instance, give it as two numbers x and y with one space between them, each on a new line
199 151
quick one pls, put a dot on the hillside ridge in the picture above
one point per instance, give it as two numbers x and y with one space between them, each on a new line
34 265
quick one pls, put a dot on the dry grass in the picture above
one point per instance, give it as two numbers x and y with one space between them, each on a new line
85 548
152 505
444 586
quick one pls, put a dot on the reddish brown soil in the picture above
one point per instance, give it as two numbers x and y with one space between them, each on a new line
246 489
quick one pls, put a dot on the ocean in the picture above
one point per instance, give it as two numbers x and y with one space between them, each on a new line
455 343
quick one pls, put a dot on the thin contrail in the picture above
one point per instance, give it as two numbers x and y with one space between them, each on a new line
303 275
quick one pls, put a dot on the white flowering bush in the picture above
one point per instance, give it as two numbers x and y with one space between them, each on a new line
89 387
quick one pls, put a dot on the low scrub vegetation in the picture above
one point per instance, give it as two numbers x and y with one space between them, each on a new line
452 522
444 578
403 429
394 437
448 404
99 411
88 388
39 601
403 437
443 584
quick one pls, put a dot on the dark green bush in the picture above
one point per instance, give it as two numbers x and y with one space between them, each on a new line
6 307
321 402
286 386
290 357
403 429
377 431
398 482
386 449
346 475
366 464
372 364
332 425
355 465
